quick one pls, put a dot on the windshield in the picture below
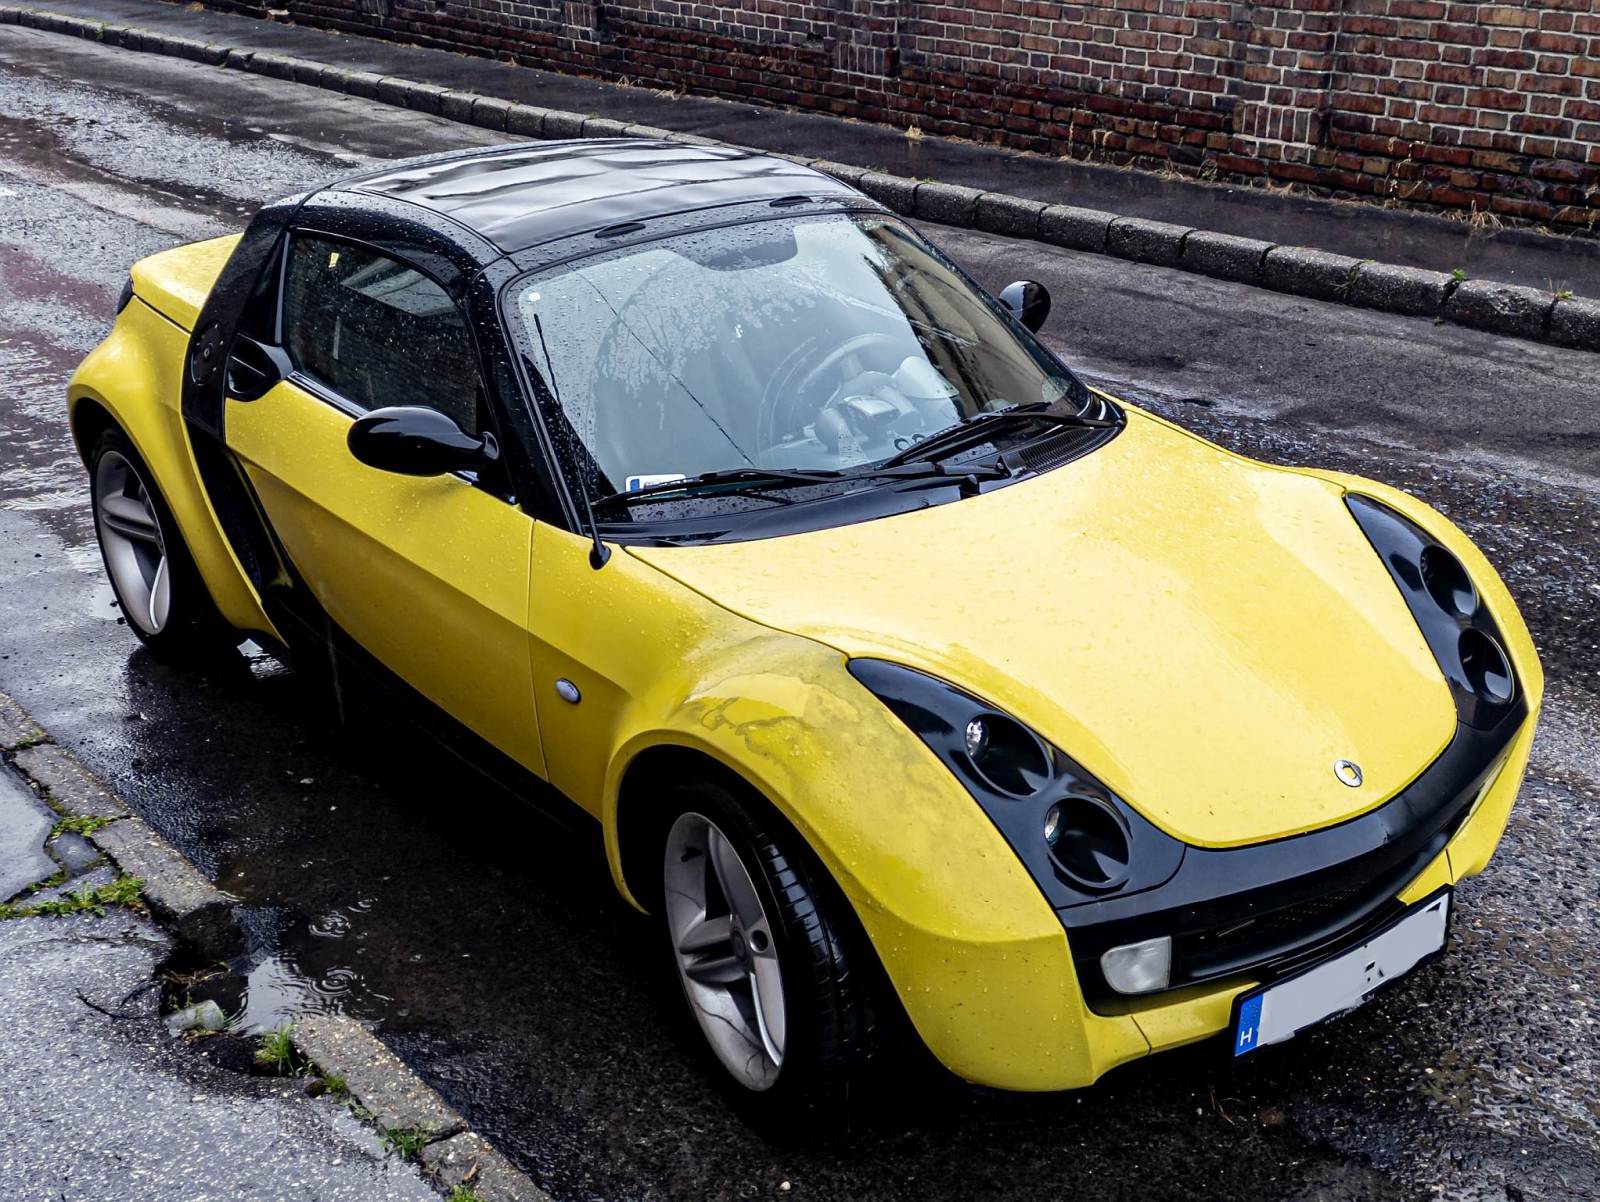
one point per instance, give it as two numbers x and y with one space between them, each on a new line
828 342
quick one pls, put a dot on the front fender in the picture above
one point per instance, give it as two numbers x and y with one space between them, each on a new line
1474 845
1519 643
977 957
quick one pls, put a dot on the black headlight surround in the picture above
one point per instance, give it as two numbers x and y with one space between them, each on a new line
1437 588
938 713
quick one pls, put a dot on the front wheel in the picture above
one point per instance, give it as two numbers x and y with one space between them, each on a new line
157 585
761 954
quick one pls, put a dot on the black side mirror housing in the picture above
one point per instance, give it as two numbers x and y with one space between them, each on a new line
1028 301
417 441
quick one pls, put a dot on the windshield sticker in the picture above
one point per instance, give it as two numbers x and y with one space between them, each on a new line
635 483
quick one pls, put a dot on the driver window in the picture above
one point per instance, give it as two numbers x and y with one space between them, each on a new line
377 332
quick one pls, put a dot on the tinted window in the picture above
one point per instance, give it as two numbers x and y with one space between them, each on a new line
376 331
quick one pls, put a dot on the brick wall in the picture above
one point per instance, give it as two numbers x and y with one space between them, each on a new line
1492 108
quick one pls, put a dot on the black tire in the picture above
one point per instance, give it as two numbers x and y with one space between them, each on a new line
827 965
193 632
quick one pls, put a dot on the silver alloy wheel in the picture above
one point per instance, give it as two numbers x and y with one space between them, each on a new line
136 556
723 946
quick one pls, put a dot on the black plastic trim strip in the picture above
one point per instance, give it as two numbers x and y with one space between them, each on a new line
1374 855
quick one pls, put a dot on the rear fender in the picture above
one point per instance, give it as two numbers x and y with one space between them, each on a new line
134 378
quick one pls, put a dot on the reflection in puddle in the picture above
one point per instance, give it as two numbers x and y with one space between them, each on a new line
306 968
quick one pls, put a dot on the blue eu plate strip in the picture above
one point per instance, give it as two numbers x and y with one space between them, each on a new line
1244 1035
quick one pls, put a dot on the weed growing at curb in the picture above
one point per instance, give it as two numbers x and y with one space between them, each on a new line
276 1052
1350 278
336 1087
59 877
124 891
81 824
405 1142
1458 275
462 1193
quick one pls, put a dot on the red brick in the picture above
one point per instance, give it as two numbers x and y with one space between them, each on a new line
1420 87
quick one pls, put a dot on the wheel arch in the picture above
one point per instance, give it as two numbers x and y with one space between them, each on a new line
640 832
637 827
88 418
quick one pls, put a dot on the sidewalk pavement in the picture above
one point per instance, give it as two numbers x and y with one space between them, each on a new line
103 1103
1361 230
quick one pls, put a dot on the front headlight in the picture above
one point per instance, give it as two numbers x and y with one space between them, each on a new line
1448 608
1079 840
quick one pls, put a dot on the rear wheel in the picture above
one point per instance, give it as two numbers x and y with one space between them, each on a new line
157 585
762 955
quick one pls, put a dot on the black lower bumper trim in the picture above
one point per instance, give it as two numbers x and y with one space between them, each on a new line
1268 909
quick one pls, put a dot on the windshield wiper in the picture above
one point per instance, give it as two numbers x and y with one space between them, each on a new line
758 479
749 479
977 427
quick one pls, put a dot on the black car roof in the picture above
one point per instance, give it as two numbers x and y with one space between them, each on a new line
520 195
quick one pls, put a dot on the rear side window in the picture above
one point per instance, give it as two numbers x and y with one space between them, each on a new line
376 331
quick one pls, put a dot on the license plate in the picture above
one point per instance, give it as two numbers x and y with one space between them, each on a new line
1282 1009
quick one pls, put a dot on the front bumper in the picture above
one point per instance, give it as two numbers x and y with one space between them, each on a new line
1270 909
1018 1015
1464 847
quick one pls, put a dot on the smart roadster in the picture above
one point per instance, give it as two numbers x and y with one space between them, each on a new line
914 683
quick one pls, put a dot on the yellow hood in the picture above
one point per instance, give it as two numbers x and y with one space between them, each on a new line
1206 634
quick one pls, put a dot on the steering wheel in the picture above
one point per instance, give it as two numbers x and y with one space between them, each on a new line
792 389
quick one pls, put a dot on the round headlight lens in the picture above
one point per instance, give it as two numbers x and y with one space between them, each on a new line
1006 754
977 738
1052 825
1447 582
1091 844
1488 671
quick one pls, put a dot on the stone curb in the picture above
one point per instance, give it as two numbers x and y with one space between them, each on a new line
177 892
175 889
1300 271
397 1099
17 730
203 918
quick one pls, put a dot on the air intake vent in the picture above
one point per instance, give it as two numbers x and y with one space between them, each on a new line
1059 448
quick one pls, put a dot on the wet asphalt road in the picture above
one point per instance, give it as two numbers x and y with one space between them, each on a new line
486 946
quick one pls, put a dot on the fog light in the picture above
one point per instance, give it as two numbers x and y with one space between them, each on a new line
1139 967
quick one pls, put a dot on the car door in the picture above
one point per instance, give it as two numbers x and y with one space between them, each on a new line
429 574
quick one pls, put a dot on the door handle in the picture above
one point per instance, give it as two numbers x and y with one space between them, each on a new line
255 367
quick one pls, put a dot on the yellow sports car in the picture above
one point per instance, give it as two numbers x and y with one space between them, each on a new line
908 677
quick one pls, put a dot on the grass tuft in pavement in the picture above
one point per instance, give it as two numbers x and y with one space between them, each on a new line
276 1053
405 1142
80 824
124 891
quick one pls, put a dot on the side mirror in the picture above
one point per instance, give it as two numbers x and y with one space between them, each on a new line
416 441
1029 303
